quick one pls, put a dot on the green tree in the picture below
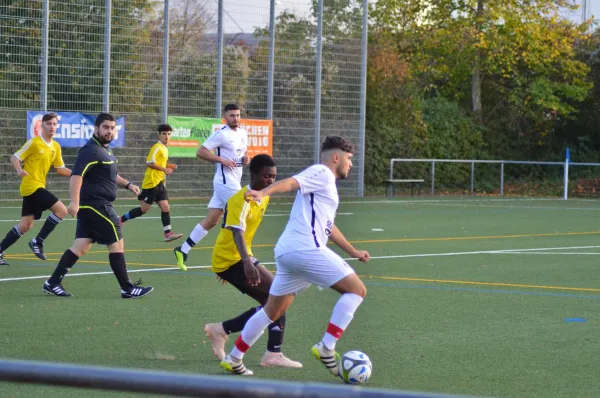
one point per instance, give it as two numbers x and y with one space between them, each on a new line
511 63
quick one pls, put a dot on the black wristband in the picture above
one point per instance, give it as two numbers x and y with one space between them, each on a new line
127 186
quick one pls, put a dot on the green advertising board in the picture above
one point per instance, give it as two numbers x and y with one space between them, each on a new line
189 133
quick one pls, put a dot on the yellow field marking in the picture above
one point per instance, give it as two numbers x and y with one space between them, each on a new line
396 278
397 240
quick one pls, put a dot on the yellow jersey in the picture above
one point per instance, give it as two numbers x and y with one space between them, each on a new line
242 215
37 156
159 154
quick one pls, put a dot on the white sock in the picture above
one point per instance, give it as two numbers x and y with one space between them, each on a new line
254 328
343 312
196 236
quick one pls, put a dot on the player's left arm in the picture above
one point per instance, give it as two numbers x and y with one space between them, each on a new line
340 240
63 171
246 159
59 163
123 183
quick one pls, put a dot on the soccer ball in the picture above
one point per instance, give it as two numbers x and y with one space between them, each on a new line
355 367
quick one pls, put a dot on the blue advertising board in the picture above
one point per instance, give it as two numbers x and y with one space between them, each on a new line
74 128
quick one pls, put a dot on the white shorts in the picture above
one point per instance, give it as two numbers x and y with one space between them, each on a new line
297 270
221 195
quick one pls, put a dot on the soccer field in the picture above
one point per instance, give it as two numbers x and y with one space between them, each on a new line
485 297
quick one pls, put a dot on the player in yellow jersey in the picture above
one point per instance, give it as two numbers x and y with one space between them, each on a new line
233 262
153 186
37 155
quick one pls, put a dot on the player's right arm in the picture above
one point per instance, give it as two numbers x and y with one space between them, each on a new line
236 218
74 190
310 180
85 160
211 143
249 269
16 164
19 156
285 185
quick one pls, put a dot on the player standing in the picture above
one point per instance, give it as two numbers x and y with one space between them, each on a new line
303 258
38 154
94 184
230 144
153 186
233 261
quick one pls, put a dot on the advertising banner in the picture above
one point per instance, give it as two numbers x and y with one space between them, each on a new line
74 128
190 132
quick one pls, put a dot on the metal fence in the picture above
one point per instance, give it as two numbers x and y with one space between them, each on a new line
183 385
499 177
304 67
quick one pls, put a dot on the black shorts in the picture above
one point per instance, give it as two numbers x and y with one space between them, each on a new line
35 204
99 223
156 194
237 277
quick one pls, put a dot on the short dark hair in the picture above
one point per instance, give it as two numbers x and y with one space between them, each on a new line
232 107
260 161
49 116
101 118
164 127
336 142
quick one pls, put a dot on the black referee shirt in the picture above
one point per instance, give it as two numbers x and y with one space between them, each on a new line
98 167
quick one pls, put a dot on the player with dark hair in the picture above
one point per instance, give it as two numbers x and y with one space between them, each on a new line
38 154
230 144
153 186
94 184
303 258
233 262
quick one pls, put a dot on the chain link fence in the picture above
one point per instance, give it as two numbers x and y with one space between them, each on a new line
279 82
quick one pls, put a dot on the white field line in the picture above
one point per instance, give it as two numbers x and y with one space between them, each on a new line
158 218
508 251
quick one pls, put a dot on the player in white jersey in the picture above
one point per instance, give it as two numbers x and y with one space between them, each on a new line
230 145
303 258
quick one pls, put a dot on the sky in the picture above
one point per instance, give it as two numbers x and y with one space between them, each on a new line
244 15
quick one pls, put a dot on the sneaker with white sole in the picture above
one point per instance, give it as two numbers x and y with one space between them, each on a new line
2 261
218 337
55 290
329 358
235 367
278 360
136 292
37 249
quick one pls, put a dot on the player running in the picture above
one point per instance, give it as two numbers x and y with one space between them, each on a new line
153 186
303 258
233 262
38 155
230 144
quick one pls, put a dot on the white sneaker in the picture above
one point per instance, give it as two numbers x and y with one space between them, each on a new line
218 337
277 359
237 368
329 358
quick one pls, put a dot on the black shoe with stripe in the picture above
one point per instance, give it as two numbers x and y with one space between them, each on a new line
136 292
55 290
2 261
37 249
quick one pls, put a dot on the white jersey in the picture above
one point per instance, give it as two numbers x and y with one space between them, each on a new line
313 212
228 144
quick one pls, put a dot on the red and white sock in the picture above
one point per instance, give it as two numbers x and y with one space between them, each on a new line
343 312
254 328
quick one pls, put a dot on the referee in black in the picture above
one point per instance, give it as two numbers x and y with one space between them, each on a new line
94 181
